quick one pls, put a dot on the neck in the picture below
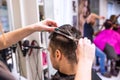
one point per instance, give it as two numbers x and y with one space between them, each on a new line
68 68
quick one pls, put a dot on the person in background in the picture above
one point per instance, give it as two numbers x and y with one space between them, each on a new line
89 33
106 38
83 14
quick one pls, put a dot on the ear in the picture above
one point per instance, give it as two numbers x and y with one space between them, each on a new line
58 55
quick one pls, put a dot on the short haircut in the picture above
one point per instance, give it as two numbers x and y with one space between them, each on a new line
108 24
113 18
66 45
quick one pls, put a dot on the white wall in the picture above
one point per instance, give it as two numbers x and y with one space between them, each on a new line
25 12
63 11
15 22
115 8
49 9
30 14
103 9
14 10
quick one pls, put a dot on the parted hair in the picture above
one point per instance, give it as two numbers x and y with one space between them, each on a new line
64 44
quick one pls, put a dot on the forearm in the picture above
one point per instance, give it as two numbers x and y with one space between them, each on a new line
15 36
95 16
92 17
86 53
83 71
12 37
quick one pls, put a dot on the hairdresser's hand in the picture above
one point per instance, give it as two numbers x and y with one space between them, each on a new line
45 25
86 54
86 51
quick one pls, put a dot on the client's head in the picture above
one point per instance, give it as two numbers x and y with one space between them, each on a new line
63 45
108 24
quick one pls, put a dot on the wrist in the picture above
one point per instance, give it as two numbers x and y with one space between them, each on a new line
85 62
33 27
83 70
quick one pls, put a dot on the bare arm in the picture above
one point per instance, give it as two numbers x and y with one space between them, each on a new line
86 52
16 35
93 16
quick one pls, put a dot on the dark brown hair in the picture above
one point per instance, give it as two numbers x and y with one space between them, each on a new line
108 24
66 45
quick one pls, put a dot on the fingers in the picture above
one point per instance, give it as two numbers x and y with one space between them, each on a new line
87 41
86 50
50 29
45 25
84 42
50 22
49 25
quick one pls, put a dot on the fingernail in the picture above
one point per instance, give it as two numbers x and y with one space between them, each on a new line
56 29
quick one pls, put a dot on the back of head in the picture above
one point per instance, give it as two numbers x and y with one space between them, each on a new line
113 18
60 39
108 24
